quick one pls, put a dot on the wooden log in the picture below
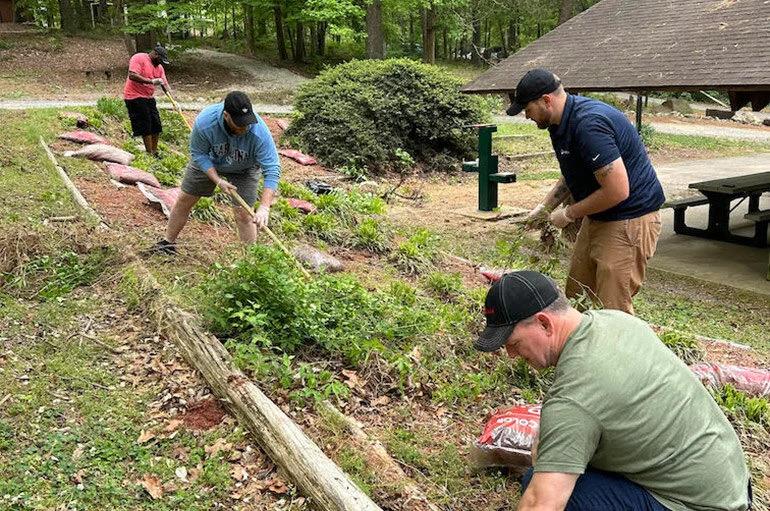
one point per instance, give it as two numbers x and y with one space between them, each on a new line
389 472
76 195
527 156
312 471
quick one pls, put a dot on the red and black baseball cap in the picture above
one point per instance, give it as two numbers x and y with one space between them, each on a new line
516 296
532 86
238 105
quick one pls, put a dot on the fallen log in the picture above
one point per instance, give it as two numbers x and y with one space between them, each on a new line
389 472
76 195
287 445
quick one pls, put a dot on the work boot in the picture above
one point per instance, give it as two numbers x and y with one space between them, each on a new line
162 247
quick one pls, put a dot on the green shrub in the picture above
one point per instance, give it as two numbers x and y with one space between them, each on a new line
362 113
647 134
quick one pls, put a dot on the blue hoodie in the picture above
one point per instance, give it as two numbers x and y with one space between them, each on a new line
211 145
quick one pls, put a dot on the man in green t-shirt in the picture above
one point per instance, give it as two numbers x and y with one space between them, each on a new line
625 425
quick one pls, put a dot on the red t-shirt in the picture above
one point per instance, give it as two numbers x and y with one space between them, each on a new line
141 64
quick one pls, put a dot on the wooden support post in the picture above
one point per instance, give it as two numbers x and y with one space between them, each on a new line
639 112
314 473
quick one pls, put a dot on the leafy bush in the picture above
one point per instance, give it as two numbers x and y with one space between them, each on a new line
368 114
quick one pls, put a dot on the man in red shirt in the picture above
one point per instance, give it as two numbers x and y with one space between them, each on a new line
145 71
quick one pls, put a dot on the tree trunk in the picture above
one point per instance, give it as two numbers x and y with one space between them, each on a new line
262 27
316 476
321 35
234 24
445 51
299 47
566 10
411 33
429 34
313 39
279 37
476 41
375 38
67 17
225 32
248 28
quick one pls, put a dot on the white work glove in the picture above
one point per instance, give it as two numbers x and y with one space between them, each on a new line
536 217
560 218
157 81
262 216
226 187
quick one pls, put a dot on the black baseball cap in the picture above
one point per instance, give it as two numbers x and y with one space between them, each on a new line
532 86
238 105
162 53
516 296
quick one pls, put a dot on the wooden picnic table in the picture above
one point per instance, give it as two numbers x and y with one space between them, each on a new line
720 193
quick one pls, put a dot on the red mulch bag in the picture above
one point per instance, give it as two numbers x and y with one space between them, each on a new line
508 438
84 137
102 152
747 379
298 156
131 175
160 198
284 125
302 205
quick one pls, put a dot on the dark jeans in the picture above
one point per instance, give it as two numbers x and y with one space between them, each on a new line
596 490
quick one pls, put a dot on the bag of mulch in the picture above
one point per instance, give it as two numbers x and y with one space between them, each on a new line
160 198
84 137
302 205
102 152
299 157
746 379
283 124
317 260
131 175
81 121
508 438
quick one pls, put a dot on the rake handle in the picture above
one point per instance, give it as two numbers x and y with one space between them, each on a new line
242 203
176 107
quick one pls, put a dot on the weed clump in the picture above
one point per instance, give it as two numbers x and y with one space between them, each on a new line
683 345
416 254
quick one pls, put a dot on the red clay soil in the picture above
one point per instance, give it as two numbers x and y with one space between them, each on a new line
725 353
203 415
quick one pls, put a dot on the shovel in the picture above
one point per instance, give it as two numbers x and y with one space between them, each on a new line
242 203
176 107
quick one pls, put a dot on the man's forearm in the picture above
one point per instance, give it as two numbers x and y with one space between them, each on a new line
138 78
268 194
597 202
556 195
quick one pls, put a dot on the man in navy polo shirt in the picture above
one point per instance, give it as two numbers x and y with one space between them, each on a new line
604 165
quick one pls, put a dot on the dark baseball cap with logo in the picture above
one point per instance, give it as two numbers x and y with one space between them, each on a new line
238 105
515 297
162 54
532 86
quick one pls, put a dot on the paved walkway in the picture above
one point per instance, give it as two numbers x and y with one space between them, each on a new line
675 128
713 261
24 104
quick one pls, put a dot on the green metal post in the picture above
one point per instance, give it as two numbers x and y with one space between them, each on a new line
487 166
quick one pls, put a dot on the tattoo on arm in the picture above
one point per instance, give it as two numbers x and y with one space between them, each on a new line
602 172
561 192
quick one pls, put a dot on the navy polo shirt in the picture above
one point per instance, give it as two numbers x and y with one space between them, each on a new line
593 134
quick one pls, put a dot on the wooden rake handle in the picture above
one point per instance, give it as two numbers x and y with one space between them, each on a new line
176 107
242 203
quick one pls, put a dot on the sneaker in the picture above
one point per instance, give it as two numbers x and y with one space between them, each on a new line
162 247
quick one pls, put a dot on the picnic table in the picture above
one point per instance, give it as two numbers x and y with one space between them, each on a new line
719 195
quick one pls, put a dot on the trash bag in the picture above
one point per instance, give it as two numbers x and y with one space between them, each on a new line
160 198
302 205
316 260
299 157
319 187
84 137
746 379
508 438
102 152
131 175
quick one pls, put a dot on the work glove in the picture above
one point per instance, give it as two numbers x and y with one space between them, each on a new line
226 187
536 218
262 216
560 218
157 81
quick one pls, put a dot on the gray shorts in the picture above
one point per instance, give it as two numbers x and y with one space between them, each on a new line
197 182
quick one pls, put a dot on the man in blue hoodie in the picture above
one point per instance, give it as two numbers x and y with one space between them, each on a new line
230 146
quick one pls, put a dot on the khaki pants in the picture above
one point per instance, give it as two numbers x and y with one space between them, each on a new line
610 259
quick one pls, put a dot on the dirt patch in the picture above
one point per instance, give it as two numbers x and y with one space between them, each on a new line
727 353
203 415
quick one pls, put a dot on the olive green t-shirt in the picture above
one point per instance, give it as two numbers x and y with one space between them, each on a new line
622 402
